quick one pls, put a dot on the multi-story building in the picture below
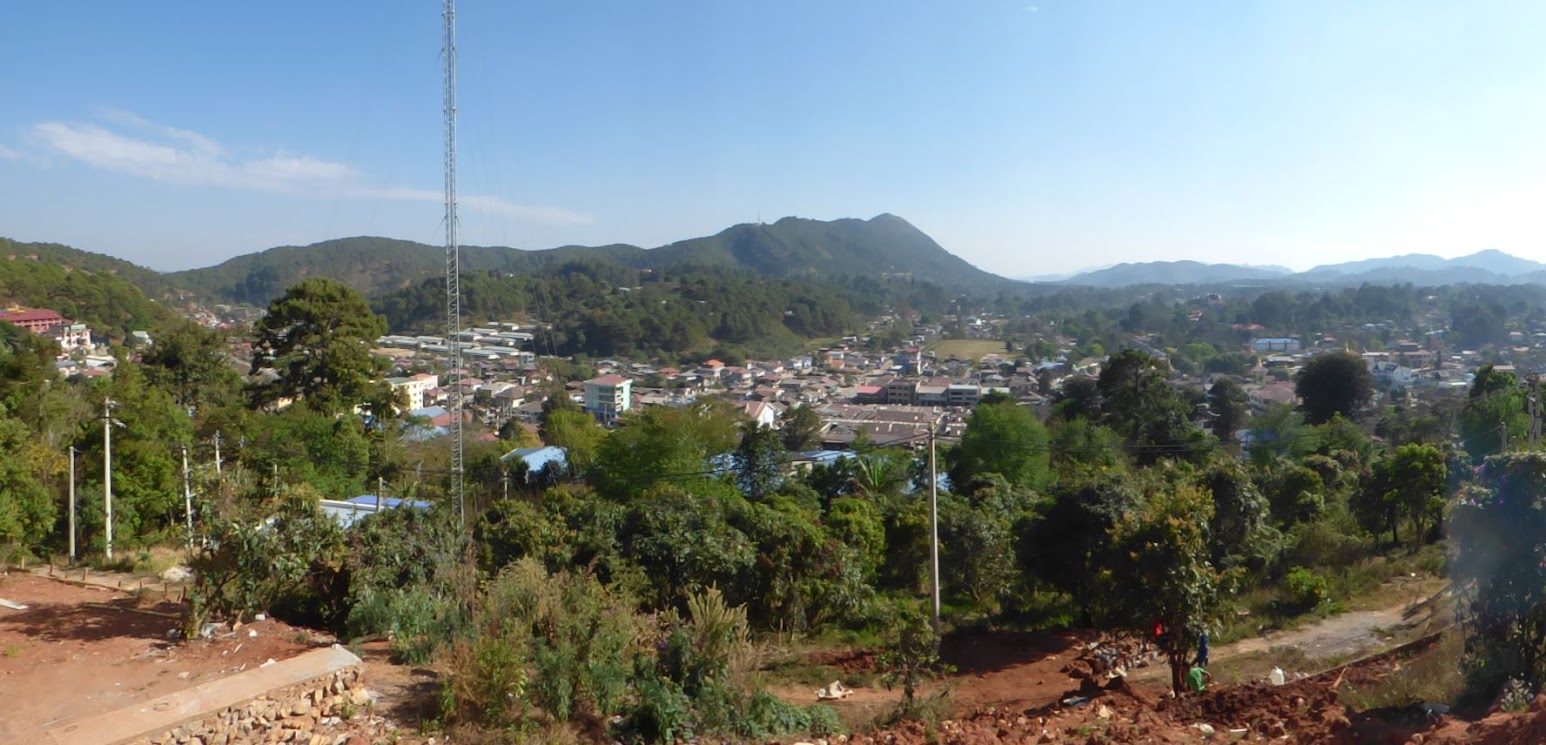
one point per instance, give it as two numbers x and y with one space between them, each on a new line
608 396
36 320
71 336
415 388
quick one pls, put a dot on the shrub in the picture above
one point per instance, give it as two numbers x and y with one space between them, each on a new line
911 658
287 556
1304 589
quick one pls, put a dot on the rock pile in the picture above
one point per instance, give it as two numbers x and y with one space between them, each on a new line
315 712
1111 657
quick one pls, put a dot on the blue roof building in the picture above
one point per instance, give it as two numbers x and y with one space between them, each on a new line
348 512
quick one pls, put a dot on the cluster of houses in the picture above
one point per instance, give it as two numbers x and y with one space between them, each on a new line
78 353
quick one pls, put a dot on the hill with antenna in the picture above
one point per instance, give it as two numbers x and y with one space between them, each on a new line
793 247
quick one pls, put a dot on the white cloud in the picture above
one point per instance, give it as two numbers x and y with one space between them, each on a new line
9 154
180 156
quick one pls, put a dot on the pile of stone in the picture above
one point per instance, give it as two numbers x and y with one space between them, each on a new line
1112 658
316 712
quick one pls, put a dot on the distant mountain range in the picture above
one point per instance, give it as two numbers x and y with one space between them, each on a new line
1484 267
790 248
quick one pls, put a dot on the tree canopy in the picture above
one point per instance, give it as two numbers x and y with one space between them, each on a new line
1334 383
317 337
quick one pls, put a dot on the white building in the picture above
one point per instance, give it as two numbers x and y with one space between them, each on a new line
608 396
415 388
71 336
1392 375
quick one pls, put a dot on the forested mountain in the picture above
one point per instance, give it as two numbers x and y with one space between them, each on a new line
1484 267
1491 262
1173 273
792 247
602 308
108 293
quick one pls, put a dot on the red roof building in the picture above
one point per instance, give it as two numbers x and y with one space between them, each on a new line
36 320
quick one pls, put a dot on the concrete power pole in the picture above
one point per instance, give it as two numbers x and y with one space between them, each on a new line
188 497
934 523
72 504
107 464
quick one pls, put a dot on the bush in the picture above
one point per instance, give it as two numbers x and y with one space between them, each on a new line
911 658
823 721
287 557
562 643
1304 589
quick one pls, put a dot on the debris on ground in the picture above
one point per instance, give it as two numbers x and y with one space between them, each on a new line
833 692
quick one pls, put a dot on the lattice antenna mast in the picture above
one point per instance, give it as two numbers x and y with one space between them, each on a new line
453 265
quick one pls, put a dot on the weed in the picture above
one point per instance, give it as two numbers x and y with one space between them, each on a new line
12 651
1432 677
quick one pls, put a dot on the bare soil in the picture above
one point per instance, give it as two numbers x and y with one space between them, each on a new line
84 649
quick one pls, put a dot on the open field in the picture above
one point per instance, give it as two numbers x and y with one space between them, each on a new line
968 349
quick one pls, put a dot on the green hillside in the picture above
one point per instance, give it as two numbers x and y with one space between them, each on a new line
603 309
790 248
107 293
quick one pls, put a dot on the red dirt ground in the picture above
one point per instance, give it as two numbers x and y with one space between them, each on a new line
76 650
1010 688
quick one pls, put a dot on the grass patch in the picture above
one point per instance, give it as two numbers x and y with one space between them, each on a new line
157 559
1432 677
969 349
1254 667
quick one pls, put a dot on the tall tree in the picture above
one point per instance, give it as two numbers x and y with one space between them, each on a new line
800 428
317 338
192 363
1227 400
1137 400
1004 438
1498 533
1161 571
1410 484
1494 413
760 461
1334 383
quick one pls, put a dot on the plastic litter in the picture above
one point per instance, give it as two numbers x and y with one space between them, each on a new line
1276 677
835 691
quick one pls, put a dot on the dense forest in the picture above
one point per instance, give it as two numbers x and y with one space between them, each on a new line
107 293
602 309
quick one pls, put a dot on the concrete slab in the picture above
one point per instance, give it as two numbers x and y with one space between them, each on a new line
153 717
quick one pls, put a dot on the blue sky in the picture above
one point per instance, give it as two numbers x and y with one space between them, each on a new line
1027 137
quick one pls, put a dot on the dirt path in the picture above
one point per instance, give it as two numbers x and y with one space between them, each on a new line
1347 634
1341 637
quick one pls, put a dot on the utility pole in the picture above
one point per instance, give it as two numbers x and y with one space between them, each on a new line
107 463
217 456
188 497
380 487
1533 408
72 504
934 523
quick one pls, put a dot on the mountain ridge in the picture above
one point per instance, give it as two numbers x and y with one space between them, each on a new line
791 247
1490 266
